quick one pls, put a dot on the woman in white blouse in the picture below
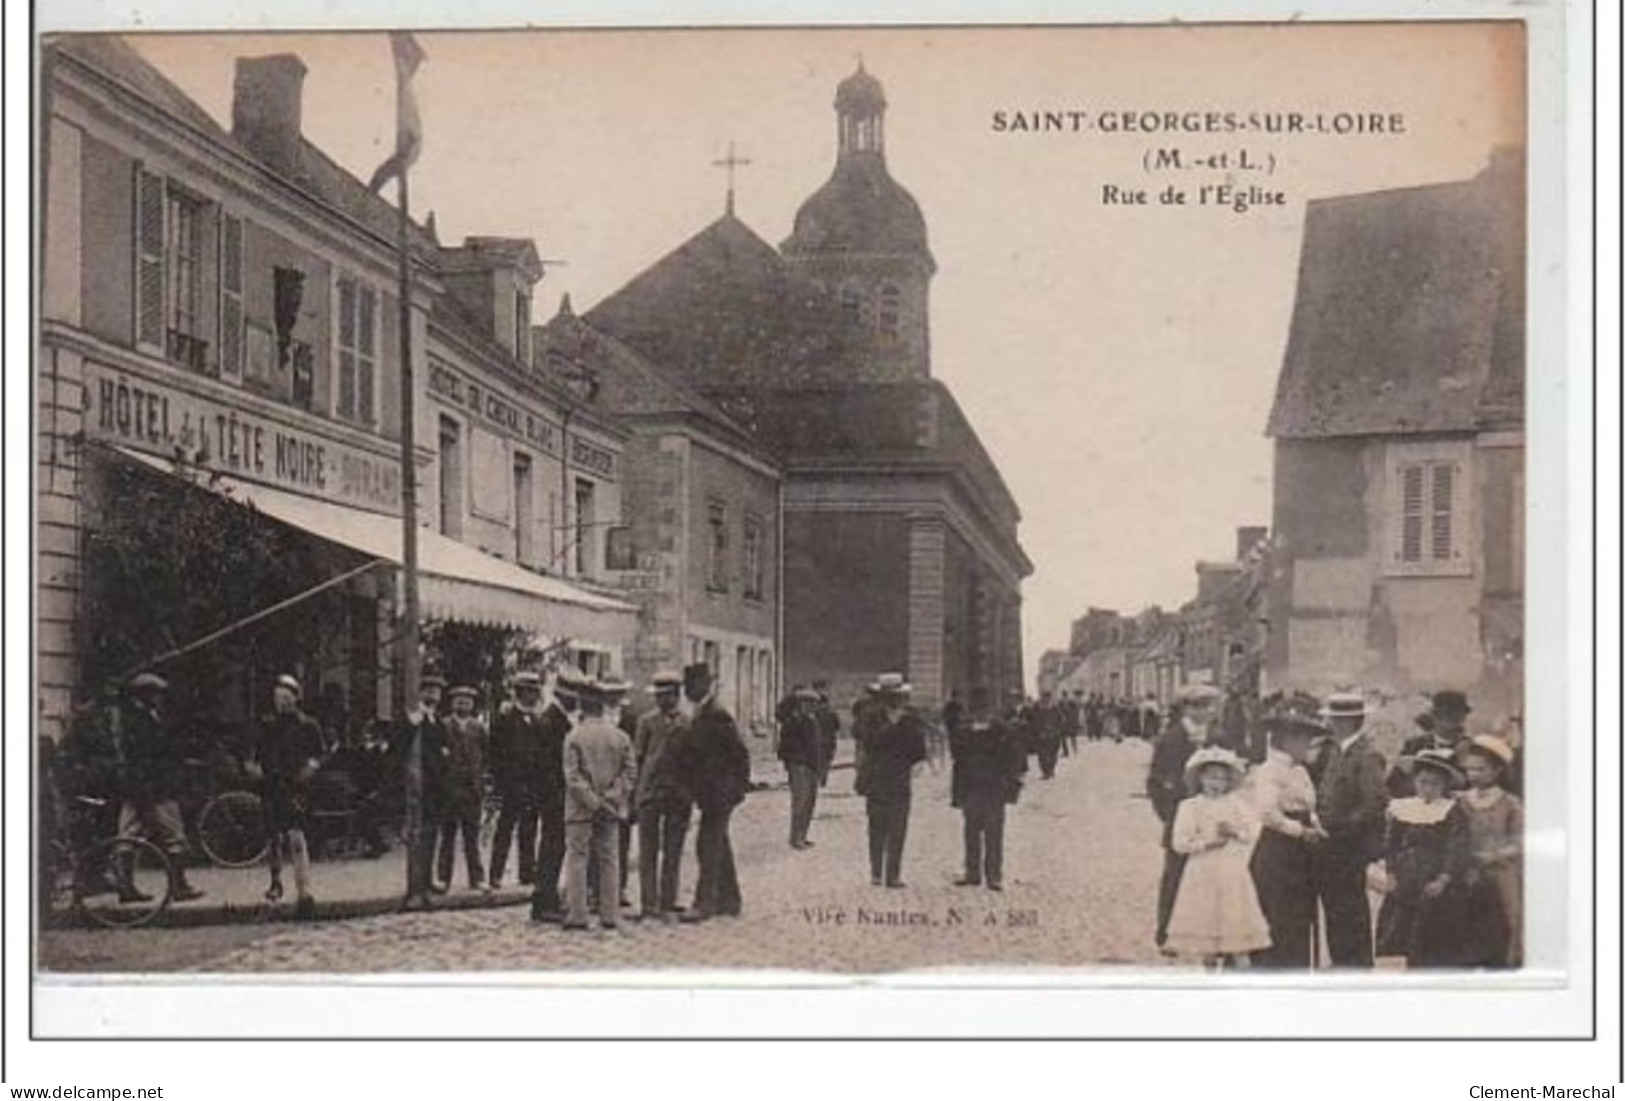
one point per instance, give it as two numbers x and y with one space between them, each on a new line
1283 797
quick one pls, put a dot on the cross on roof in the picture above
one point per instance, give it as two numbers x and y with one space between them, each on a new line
730 162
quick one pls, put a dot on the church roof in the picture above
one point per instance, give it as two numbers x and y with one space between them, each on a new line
1409 311
860 209
724 309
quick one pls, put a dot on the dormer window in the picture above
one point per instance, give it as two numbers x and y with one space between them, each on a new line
521 326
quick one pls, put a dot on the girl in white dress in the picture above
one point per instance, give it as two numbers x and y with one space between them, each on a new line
1216 915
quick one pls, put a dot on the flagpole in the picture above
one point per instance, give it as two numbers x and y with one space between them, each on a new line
407 635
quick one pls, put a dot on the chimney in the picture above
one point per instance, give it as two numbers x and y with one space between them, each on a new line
266 107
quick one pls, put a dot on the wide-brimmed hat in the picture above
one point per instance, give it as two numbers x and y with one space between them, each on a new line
148 682
890 684
1213 755
1492 746
1198 694
1344 705
1441 761
290 682
1451 703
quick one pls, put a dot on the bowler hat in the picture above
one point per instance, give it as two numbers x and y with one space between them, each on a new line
697 675
1450 703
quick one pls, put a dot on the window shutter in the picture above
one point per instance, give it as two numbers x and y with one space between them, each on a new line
1411 509
231 297
1443 543
149 258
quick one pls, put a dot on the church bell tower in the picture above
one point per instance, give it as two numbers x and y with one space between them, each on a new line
862 238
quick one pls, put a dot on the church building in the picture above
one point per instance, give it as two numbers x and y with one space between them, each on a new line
899 543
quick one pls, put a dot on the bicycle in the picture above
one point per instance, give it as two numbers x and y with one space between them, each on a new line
116 882
231 829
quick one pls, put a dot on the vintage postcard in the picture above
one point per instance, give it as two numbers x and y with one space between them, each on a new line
1046 501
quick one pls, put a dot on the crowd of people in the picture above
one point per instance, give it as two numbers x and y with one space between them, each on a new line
1275 839
1264 856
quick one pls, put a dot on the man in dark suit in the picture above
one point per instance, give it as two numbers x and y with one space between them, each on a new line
558 719
518 773
894 745
987 771
1188 729
713 766
1351 799
800 751
424 725
1444 730
829 731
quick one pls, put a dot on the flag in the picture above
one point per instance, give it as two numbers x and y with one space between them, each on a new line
408 126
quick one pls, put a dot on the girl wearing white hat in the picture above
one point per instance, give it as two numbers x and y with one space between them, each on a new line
1216 915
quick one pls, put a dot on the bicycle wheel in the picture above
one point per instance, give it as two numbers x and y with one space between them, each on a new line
141 872
232 830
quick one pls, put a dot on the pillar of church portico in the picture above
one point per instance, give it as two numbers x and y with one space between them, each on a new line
927 560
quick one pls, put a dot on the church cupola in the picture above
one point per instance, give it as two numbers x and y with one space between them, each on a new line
863 239
860 111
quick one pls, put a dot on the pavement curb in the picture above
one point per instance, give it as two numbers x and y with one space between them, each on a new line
192 916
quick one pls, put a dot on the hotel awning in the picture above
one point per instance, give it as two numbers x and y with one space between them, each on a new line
455 581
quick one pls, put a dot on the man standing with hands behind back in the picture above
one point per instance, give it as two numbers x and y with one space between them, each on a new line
599 774
714 766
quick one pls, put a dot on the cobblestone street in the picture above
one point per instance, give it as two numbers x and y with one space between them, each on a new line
1081 859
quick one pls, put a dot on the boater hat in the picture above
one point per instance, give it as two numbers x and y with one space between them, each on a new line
1345 705
527 680
1199 694
667 680
805 692
891 684
1491 746
148 682
462 690
290 682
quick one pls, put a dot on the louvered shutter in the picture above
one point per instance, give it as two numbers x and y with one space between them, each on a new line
231 297
1411 482
1442 541
149 258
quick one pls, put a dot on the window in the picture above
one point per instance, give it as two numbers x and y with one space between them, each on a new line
752 552
716 560
584 527
618 551
890 314
357 351
168 271
852 304
521 326
524 520
1428 507
232 338
451 479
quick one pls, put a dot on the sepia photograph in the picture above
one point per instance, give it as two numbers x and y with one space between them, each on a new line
835 500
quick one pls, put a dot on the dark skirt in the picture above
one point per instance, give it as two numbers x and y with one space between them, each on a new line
1286 893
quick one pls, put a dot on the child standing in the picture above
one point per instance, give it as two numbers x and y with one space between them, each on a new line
1426 852
1216 915
1495 841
